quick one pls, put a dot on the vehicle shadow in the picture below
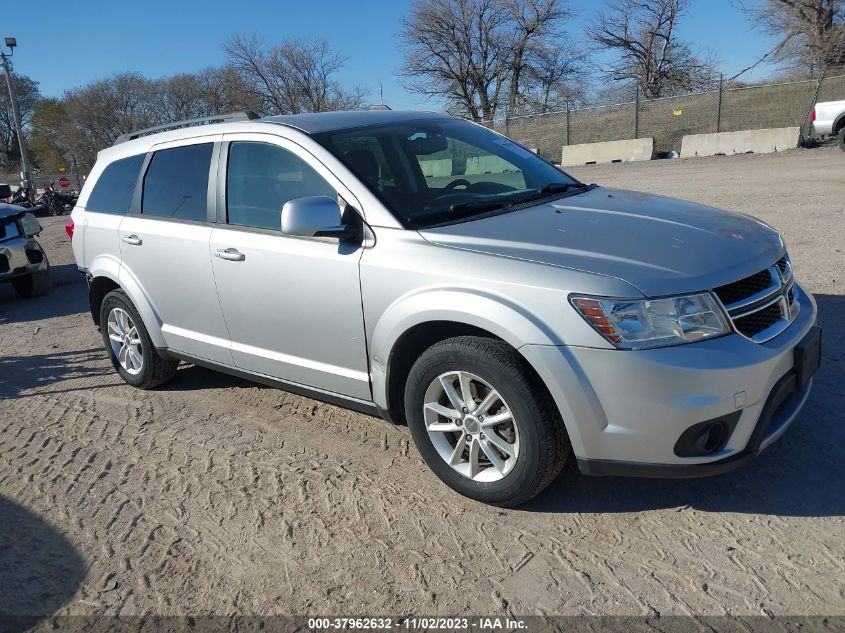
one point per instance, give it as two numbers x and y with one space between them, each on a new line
19 374
802 474
67 296
40 570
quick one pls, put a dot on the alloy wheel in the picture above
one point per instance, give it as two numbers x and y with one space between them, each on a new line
471 426
125 341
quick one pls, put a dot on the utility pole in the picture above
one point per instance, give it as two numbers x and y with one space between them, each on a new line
26 183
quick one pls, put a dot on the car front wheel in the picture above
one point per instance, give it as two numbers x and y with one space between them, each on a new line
482 422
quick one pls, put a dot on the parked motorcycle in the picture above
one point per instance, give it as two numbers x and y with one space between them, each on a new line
21 199
55 202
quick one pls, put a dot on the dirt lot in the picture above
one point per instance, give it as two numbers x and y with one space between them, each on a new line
213 495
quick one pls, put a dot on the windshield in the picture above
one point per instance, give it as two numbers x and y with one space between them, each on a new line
436 171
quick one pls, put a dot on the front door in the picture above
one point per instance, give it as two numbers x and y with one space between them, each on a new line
292 305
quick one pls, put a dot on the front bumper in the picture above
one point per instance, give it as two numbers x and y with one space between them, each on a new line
21 256
625 410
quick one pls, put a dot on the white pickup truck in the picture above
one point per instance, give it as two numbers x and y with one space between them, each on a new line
829 118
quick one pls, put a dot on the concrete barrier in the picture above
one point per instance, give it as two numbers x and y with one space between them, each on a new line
607 152
436 168
757 141
487 165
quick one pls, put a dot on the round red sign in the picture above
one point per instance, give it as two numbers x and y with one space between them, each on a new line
64 182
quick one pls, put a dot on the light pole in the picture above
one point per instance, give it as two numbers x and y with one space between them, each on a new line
11 42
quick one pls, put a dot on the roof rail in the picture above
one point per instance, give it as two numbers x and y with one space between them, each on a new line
216 118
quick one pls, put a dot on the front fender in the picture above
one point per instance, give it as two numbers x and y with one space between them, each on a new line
498 315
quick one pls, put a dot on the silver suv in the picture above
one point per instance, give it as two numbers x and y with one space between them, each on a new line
428 270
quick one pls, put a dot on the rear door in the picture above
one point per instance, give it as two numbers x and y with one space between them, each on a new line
106 207
164 246
292 305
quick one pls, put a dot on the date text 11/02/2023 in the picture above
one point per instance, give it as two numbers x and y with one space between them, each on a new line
418 623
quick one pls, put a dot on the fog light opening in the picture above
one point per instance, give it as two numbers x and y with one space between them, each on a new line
708 437
713 436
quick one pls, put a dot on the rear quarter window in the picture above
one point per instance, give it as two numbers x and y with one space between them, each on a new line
115 187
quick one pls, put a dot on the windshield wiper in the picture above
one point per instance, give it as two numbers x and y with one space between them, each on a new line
464 209
558 187
461 210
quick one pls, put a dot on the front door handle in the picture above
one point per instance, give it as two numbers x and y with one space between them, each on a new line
230 254
133 240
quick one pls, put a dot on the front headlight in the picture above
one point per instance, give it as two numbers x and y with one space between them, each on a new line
645 323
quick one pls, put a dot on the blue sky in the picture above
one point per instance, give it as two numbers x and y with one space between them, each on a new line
63 46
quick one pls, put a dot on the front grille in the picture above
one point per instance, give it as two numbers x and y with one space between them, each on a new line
756 322
761 305
744 288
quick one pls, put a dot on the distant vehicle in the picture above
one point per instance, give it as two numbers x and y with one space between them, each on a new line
22 260
430 270
829 118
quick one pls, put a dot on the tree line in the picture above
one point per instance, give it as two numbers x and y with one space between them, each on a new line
482 59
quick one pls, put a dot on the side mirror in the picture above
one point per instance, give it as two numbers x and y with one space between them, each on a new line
5 191
318 216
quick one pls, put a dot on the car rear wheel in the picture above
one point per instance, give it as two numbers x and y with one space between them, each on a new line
841 138
35 284
129 346
482 422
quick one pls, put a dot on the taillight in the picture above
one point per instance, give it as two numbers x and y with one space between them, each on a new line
69 227
813 115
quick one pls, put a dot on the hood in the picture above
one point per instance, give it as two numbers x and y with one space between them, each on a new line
7 210
660 245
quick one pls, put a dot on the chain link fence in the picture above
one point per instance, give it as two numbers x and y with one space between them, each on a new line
669 119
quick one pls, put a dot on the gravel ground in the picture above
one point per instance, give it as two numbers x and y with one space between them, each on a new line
217 496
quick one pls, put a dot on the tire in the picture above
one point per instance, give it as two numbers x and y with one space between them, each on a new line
535 433
841 138
35 284
153 370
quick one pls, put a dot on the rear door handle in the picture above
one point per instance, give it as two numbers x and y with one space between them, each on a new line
133 239
230 254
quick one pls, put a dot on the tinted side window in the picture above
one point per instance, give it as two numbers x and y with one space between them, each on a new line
176 184
114 189
261 178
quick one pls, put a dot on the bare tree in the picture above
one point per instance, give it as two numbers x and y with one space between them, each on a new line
532 23
555 77
643 34
99 112
205 93
810 33
476 54
27 94
47 141
295 76
453 49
